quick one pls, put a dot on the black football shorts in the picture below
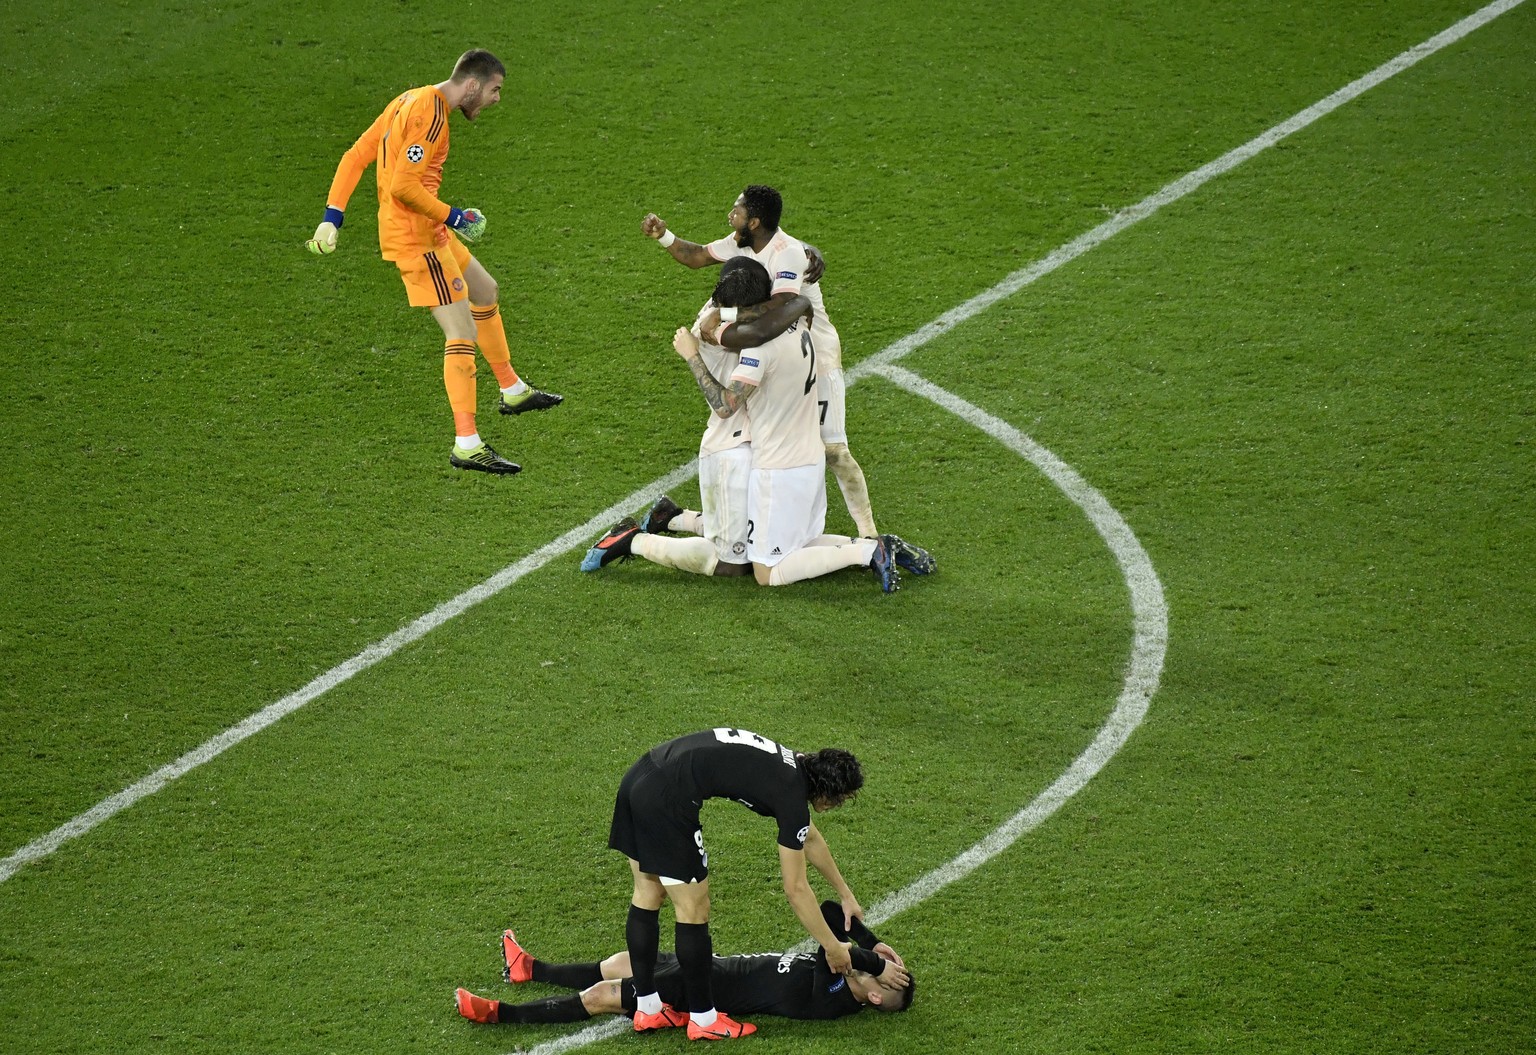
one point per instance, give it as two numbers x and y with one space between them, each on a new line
658 826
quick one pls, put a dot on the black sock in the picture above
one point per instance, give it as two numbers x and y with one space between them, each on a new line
642 934
568 1008
696 957
568 975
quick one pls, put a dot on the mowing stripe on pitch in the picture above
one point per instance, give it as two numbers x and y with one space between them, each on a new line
110 807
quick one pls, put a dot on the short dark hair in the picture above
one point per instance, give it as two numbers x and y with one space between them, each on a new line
743 282
479 64
832 775
763 203
902 998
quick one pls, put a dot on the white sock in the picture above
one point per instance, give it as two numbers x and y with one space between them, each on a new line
685 554
649 1005
704 1018
470 442
812 561
517 389
831 540
688 522
850 481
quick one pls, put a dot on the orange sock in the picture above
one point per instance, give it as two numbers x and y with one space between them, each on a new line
493 343
459 380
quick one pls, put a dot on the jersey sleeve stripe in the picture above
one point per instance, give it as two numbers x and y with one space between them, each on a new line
437 121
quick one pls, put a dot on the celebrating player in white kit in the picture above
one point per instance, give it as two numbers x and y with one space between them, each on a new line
786 487
755 233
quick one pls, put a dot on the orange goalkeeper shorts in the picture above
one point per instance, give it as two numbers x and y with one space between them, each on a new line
436 278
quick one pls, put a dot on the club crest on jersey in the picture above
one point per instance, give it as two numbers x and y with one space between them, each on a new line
414 153
803 833
458 284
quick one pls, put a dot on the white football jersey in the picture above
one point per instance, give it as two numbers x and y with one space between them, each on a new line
786 426
784 257
721 434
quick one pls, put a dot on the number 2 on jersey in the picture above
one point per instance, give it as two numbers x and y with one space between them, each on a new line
807 349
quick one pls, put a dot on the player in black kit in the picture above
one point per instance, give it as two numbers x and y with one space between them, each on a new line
656 825
791 985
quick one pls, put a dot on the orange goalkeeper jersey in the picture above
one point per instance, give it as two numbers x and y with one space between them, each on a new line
408 143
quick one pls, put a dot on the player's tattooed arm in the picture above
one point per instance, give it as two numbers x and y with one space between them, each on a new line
724 400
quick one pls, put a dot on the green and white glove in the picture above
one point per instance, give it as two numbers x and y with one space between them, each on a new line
468 224
324 240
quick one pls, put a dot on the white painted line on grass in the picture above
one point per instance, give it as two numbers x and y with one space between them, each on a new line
577 537
115 804
1175 190
1149 644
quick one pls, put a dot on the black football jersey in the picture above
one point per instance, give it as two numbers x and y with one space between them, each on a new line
791 985
762 775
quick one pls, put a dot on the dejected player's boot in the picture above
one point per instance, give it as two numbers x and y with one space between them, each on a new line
477 1008
519 967
667 1018
722 1028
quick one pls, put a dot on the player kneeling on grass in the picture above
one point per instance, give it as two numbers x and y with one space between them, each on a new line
791 985
784 491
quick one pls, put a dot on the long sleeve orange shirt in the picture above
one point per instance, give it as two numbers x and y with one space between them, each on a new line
409 144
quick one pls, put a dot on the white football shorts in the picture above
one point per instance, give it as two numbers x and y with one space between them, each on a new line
723 480
786 509
832 403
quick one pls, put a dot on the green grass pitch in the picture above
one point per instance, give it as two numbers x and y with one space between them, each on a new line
1308 388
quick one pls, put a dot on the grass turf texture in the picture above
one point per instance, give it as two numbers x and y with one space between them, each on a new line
1307 388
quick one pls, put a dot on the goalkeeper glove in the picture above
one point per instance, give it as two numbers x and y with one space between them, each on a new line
468 224
324 240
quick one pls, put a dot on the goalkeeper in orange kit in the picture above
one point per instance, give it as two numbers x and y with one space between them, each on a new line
425 238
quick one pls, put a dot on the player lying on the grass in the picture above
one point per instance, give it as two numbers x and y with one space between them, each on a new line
790 985
785 487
